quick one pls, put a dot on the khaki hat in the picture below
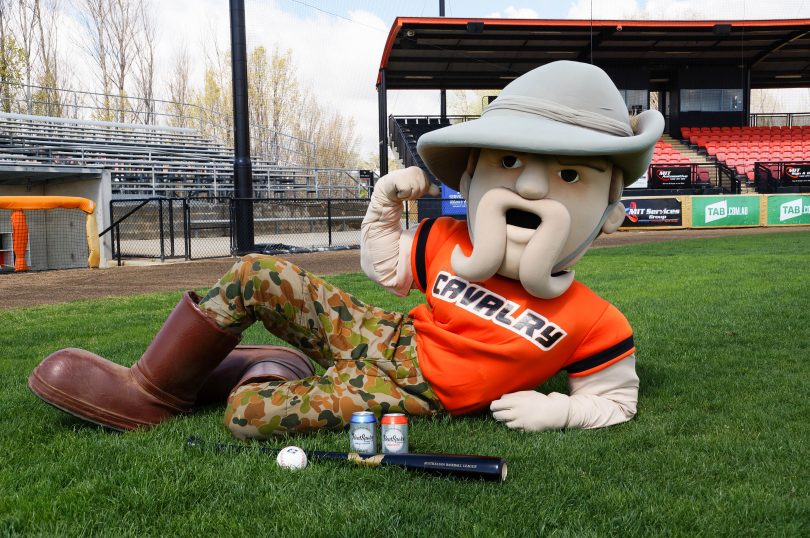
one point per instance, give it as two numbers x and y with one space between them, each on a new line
561 108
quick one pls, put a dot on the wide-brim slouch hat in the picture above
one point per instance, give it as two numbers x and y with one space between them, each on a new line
561 108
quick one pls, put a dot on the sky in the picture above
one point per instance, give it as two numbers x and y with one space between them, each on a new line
337 44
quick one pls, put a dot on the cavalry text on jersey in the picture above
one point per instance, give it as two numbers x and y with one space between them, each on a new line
488 305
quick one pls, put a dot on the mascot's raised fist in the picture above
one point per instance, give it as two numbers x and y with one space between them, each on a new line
406 184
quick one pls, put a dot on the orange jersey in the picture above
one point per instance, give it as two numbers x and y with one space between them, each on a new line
477 341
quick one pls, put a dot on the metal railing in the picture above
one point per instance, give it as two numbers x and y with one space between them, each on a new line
173 228
404 131
186 228
705 176
793 119
770 177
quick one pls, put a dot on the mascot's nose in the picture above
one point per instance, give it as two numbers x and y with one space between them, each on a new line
532 183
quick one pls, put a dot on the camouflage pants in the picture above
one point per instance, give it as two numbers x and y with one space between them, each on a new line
369 354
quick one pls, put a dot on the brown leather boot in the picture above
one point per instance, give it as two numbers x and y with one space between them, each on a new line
252 364
162 384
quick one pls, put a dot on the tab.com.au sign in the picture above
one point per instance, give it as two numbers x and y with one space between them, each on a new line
789 210
725 211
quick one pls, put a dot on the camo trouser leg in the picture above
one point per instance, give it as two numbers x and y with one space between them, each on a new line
369 354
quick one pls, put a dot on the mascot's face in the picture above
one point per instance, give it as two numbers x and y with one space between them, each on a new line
527 212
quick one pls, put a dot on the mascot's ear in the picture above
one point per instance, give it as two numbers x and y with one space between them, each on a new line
615 219
616 216
466 177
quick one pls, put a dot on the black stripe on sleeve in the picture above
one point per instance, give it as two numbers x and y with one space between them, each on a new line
421 246
600 358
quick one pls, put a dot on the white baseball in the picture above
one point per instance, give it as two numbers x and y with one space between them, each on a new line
292 457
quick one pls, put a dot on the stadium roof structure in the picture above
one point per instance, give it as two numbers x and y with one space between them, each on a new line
455 53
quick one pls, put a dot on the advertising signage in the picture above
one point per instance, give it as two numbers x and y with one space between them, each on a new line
788 209
452 202
652 212
796 175
670 177
720 211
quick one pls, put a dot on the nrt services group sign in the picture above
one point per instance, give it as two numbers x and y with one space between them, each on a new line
652 212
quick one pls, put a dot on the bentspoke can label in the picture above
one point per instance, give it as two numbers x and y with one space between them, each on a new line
394 433
363 433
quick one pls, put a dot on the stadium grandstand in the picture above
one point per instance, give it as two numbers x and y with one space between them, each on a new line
699 74
153 160
168 192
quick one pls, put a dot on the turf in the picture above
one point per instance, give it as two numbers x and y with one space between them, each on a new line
720 446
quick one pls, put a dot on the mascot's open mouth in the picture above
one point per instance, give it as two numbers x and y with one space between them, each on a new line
522 219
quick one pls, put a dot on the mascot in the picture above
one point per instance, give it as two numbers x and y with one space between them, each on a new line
542 171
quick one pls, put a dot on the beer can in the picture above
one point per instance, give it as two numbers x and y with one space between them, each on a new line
363 433
394 433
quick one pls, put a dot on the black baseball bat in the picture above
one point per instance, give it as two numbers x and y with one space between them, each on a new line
457 465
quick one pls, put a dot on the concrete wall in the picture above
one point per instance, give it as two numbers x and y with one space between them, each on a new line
97 188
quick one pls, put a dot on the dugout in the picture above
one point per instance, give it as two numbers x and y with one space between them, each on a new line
701 72
57 237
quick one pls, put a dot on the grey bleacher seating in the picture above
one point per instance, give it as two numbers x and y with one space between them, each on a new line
143 160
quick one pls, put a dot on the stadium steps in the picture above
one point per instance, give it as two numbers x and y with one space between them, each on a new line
688 153
692 155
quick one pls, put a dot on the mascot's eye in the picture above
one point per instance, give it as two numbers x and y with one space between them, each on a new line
568 175
510 161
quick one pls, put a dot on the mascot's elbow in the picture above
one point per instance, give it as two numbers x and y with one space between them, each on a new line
626 404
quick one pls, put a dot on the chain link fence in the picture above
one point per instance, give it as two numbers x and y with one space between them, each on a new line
189 228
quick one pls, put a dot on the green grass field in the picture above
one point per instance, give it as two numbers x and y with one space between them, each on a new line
720 447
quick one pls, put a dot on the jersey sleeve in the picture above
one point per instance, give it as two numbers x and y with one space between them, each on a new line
609 341
419 255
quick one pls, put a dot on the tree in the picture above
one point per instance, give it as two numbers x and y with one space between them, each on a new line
11 60
284 95
96 15
469 102
180 91
26 24
259 79
334 136
122 45
146 38
214 105
48 100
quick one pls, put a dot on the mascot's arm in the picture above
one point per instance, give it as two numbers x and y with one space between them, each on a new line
385 248
601 399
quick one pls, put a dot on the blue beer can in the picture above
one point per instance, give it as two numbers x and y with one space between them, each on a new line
363 433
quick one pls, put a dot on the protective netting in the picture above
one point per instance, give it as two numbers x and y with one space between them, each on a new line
42 239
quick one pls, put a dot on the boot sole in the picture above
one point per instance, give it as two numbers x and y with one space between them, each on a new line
70 405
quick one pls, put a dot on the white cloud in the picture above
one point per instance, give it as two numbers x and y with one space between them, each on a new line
337 58
689 9
513 12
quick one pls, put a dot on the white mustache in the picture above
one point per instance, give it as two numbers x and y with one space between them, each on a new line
490 230
539 255
542 251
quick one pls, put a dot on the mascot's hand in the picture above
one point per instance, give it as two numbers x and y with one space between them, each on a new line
385 249
532 411
407 184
